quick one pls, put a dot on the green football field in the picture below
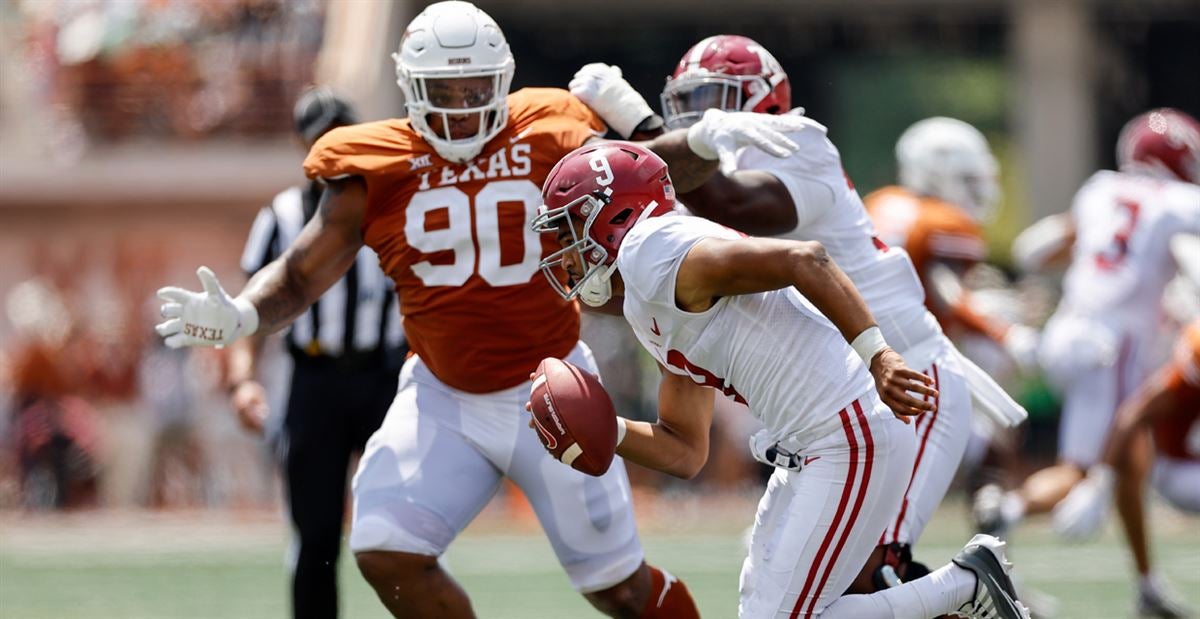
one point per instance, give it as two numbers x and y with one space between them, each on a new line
210 565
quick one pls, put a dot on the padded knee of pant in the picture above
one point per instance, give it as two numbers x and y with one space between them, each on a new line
403 527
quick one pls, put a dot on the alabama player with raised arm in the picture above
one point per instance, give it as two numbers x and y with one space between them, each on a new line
1167 410
1095 347
807 196
444 198
775 325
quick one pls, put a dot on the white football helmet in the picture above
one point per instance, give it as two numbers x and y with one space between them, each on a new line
448 41
950 160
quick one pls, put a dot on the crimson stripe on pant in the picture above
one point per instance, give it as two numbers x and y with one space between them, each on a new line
837 517
869 443
932 417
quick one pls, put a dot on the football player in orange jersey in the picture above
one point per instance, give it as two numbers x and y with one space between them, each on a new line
947 187
444 198
1167 409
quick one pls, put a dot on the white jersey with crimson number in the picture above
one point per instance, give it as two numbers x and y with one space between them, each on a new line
772 351
1122 262
1097 347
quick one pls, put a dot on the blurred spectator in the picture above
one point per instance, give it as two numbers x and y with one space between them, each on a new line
54 434
115 70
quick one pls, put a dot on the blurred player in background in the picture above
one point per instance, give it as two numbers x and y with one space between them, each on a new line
1167 410
948 189
444 198
1096 347
746 316
807 196
346 354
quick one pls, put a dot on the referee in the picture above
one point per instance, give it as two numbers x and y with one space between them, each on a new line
347 351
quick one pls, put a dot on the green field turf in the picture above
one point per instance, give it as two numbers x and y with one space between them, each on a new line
219 566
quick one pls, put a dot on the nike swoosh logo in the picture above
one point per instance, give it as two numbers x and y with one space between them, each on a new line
654 328
520 135
547 439
808 459
668 580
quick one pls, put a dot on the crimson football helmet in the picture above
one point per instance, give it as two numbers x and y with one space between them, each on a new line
610 187
729 72
1163 143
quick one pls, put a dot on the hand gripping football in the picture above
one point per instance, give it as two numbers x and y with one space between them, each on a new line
573 416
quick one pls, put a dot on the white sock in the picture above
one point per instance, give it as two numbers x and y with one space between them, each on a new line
1150 582
1012 509
941 592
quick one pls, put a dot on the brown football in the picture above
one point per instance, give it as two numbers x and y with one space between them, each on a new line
573 416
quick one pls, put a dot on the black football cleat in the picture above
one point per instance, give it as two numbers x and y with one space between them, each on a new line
995 597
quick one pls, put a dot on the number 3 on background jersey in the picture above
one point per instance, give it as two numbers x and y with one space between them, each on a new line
460 235
1115 254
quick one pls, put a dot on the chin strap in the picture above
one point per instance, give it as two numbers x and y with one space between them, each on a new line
596 290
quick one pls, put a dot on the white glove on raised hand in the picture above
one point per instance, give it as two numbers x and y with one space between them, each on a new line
720 134
209 318
603 89
1021 343
1080 515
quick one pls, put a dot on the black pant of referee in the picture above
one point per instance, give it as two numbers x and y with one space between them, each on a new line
334 406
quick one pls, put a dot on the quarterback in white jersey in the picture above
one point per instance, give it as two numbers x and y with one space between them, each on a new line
743 316
808 197
1096 345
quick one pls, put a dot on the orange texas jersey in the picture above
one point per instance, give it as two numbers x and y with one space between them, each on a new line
929 230
1178 436
455 238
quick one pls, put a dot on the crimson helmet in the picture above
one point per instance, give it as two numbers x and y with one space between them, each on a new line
610 187
1164 143
729 72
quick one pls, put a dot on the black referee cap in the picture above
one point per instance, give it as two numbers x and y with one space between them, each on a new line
318 110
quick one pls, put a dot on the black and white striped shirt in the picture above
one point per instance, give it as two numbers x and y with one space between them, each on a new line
359 313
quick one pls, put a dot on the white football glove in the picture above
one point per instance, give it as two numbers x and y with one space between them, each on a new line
603 89
209 318
1021 343
720 134
1080 515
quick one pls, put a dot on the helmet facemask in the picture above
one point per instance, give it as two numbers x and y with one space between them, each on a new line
595 286
434 93
687 97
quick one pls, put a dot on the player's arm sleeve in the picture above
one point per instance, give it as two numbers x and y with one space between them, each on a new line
337 155
800 174
649 269
579 123
1045 243
262 243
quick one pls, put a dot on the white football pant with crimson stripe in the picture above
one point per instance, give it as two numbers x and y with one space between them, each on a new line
942 438
816 527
